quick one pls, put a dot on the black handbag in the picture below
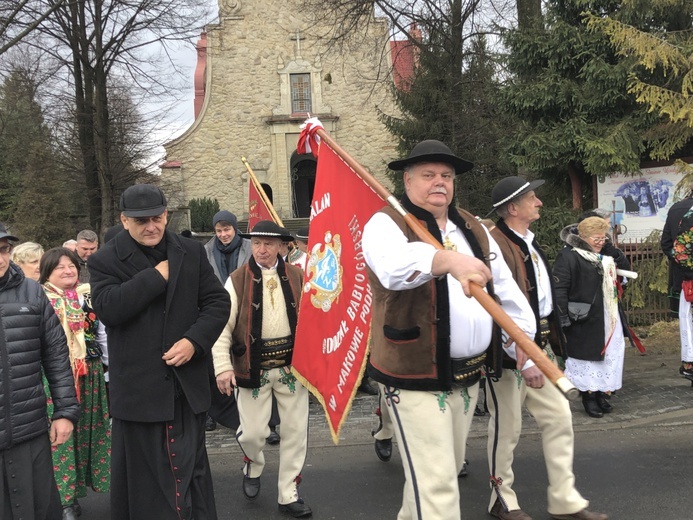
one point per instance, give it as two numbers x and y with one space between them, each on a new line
578 311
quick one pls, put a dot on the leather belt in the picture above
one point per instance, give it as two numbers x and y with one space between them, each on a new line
276 352
467 371
544 331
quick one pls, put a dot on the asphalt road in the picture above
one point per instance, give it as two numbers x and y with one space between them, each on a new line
631 474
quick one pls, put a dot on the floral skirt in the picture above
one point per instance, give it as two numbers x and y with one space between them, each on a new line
85 460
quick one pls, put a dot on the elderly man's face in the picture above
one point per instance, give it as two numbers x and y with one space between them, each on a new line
265 251
147 231
430 186
527 207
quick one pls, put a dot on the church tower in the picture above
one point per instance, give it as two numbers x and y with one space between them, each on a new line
261 70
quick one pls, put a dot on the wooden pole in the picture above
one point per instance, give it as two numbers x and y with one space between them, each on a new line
536 354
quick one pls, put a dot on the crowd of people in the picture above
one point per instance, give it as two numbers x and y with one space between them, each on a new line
116 360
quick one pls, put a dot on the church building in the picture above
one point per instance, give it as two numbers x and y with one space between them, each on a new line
261 70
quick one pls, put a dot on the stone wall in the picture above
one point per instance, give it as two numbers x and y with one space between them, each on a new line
246 110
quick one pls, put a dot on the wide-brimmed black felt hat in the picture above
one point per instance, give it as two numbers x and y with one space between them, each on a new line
302 234
268 229
142 200
435 152
509 189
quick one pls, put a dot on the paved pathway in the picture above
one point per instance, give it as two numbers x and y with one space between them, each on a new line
652 393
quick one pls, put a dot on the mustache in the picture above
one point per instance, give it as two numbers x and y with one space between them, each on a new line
439 189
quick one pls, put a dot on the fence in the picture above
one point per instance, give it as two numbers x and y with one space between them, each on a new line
644 301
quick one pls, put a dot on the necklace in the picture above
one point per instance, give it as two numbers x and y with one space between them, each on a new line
271 285
535 259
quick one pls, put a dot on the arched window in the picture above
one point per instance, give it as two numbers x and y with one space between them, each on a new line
302 183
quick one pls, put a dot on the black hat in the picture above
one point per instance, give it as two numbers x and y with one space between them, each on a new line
432 151
302 234
142 200
268 229
225 216
511 188
5 234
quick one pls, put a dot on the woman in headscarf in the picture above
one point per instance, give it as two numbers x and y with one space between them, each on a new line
27 256
587 300
85 462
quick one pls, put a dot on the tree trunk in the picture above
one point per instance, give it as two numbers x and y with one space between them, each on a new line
528 14
575 185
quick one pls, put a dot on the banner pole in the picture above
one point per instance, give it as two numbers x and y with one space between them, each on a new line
262 193
536 354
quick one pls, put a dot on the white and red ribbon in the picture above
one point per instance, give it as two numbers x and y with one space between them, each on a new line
309 141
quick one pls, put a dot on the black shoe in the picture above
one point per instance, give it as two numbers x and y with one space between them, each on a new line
603 402
478 412
589 401
77 508
463 472
296 509
210 424
69 513
383 449
685 371
251 487
273 438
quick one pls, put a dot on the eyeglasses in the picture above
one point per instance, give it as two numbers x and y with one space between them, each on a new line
6 249
598 240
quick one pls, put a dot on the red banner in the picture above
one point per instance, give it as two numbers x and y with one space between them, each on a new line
257 209
335 315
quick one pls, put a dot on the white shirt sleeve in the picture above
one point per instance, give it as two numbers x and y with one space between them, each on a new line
398 263
221 351
511 298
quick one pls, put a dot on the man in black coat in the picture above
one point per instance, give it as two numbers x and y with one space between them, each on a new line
163 308
671 229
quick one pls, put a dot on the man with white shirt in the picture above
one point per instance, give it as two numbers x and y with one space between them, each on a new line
428 338
517 205
253 355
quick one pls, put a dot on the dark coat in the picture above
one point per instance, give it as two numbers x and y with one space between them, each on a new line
578 280
677 274
31 337
125 289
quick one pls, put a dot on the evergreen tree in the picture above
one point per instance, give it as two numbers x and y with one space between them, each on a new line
569 94
32 195
452 98
661 72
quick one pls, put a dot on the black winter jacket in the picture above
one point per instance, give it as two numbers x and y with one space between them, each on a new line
31 337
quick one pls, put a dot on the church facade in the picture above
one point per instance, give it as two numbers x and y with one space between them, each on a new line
261 70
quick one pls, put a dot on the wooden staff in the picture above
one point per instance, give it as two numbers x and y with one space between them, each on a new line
536 354
262 193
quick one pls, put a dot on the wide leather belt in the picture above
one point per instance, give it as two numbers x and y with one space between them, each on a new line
544 331
467 371
276 352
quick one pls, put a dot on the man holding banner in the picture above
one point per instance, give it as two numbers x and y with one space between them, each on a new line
429 339
254 353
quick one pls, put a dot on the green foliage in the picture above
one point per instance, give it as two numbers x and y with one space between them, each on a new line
570 92
201 213
33 194
660 60
452 99
548 228
652 268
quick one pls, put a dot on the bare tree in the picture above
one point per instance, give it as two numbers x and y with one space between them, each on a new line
18 18
107 42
